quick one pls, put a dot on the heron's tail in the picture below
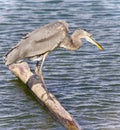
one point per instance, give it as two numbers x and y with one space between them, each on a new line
12 56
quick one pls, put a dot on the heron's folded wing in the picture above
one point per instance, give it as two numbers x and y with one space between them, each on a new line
38 42
47 31
43 39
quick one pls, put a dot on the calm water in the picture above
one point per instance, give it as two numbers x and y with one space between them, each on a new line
86 82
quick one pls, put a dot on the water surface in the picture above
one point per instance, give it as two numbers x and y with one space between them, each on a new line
86 82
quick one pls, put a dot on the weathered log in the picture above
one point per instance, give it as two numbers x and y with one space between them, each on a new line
22 71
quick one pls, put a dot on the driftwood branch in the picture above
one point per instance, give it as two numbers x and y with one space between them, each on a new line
22 71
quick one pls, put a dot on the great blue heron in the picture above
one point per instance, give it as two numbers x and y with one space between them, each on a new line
37 44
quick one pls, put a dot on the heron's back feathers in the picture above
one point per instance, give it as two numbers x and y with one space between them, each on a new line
38 42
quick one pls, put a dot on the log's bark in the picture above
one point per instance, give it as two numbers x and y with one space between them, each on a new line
22 71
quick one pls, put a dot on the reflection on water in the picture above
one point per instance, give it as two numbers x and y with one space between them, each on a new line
86 81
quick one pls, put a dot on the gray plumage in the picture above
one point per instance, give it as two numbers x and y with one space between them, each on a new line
45 39
38 42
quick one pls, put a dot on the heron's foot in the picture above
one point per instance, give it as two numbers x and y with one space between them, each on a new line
47 92
43 83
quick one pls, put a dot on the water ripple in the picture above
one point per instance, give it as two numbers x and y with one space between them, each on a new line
85 81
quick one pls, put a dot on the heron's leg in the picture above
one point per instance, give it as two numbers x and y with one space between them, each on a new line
36 68
41 67
41 76
39 71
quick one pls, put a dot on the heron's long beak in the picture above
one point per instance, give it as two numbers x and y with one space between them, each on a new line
93 41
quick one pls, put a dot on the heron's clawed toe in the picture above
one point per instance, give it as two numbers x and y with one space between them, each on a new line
39 74
47 92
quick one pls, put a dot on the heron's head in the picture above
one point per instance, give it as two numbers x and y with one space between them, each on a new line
84 34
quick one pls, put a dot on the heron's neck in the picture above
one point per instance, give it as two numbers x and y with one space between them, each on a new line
71 43
76 41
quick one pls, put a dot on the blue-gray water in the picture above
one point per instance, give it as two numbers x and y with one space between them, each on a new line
86 82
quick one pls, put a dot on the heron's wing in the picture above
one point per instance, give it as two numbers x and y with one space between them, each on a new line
38 42
43 39
47 31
